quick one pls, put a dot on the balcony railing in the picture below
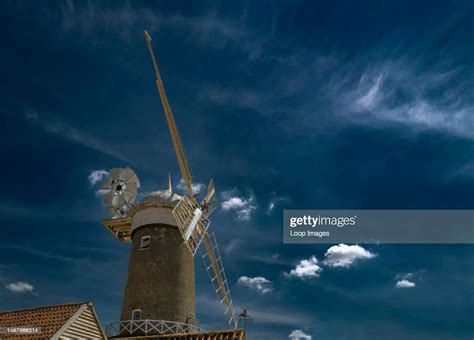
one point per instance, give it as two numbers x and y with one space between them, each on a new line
149 327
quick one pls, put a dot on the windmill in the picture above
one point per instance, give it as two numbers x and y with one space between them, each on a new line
166 230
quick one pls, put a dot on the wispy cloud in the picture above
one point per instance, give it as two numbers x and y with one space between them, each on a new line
268 259
391 92
306 269
281 316
197 187
267 315
208 28
236 98
259 283
45 254
19 287
344 256
372 95
96 176
233 245
73 134
243 206
395 92
370 90
19 210
276 200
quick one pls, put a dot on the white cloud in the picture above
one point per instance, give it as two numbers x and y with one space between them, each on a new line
243 206
210 29
243 98
96 176
299 335
233 203
306 268
232 245
405 284
405 276
75 135
197 187
19 287
407 280
372 96
274 201
376 99
344 255
35 252
259 283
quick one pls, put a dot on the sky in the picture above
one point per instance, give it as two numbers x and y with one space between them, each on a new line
287 105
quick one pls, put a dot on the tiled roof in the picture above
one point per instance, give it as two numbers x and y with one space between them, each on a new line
49 318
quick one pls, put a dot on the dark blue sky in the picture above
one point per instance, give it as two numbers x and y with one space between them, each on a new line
302 104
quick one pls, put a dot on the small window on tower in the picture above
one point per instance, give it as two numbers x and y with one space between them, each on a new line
145 242
136 314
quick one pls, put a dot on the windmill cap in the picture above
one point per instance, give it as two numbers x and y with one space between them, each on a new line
161 197
155 208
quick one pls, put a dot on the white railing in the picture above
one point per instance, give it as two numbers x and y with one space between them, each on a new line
149 327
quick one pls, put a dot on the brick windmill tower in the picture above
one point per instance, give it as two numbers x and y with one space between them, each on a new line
166 231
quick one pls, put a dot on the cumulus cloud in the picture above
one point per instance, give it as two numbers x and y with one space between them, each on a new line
344 255
306 268
259 283
243 206
96 176
197 187
298 334
407 280
405 284
19 287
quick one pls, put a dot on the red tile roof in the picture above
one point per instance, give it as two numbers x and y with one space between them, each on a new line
49 318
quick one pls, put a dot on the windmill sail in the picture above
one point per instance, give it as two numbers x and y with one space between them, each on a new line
215 269
193 217
175 138
191 222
